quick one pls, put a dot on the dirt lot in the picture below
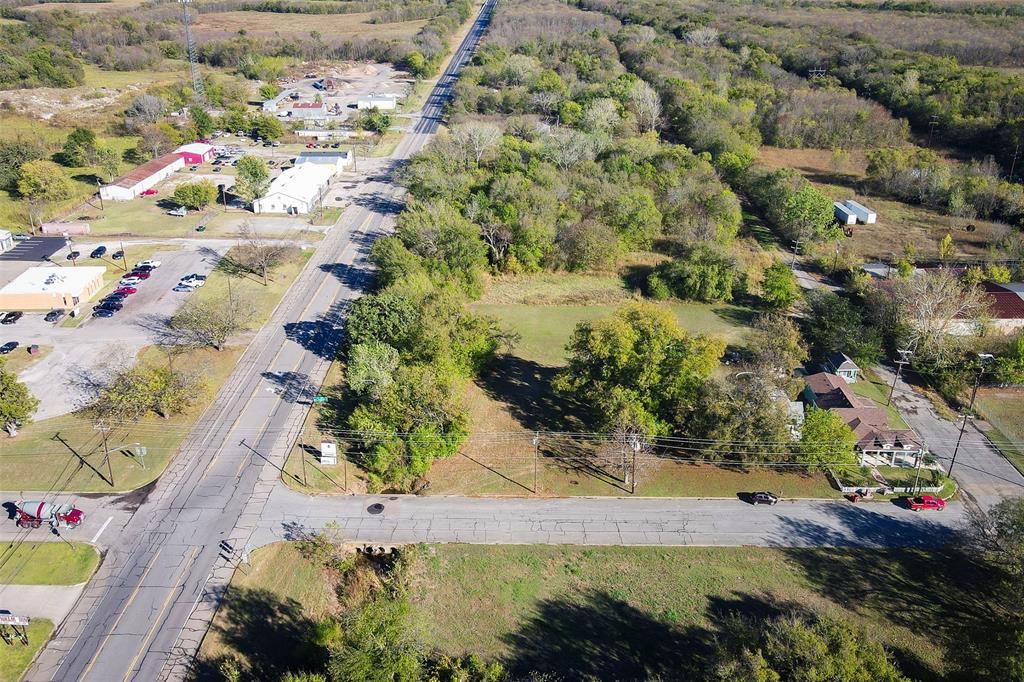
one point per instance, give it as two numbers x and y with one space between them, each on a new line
337 26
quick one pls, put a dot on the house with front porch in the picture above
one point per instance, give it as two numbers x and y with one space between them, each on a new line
877 443
841 365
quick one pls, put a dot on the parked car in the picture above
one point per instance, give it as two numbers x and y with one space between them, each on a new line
275 143
139 275
149 262
109 305
762 497
179 212
150 192
103 312
125 291
12 317
193 168
217 169
310 146
98 252
8 347
129 281
194 277
336 145
117 255
183 287
925 502
143 268
54 315
74 255
21 237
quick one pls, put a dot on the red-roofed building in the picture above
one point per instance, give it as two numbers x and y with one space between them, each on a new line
308 110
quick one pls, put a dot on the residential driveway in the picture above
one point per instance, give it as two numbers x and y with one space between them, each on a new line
602 521
982 472
59 380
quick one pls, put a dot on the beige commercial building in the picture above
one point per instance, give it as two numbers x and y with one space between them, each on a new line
47 288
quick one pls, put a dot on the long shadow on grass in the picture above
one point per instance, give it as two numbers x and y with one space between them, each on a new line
600 637
271 633
525 386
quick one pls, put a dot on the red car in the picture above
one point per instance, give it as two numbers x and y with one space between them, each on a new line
925 502
138 274
149 192
126 290
311 146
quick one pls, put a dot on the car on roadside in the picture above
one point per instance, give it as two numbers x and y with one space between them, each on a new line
12 317
129 281
117 255
98 252
143 268
125 291
924 502
217 169
8 347
103 312
54 315
150 192
149 262
336 145
74 255
763 497
21 237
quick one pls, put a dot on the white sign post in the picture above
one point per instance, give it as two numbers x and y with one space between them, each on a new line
328 453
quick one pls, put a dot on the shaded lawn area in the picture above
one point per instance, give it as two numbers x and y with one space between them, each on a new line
20 359
639 613
47 563
545 330
67 451
15 660
1003 408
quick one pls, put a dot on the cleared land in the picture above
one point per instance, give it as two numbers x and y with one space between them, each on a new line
47 563
899 224
265 24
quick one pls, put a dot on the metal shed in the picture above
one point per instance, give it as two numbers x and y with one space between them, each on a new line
864 214
844 215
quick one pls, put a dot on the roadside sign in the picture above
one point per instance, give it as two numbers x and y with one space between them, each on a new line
328 453
319 399
11 619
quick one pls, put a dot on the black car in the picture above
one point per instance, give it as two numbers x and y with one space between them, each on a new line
763 498
117 255
109 305
74 254
98 252
8 347
11 318
54 315
143 268
102 312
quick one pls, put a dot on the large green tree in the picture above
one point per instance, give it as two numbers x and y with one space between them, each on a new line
637 367
779 289
43 183
825 440
196 195
16 403
252 178
833 324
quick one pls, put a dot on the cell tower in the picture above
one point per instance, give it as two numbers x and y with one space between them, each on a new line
193 61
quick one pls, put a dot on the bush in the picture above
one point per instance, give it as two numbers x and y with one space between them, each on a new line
703 274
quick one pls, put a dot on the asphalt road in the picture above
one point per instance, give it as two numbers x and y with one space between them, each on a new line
140 617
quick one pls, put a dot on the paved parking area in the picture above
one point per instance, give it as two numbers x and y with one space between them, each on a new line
59 379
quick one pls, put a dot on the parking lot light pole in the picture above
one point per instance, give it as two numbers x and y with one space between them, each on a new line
984 358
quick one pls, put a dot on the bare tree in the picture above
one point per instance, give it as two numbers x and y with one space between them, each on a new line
646 105
705 36
259 255
567 148
212 321
476 138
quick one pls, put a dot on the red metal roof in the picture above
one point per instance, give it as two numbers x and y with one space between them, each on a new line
1004 304
134 177
308 105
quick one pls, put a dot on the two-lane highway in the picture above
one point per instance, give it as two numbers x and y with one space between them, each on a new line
132 615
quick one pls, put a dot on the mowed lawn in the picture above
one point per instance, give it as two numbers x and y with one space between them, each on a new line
1003 408
636 613
47 563
15 660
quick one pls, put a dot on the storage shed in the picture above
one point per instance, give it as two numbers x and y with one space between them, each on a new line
64 228
864 214
844 215
196 152
376 101
134 183
296 191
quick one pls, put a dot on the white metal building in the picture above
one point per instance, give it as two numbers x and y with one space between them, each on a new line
377 101
134 183
844 215
298 190
337 159
48 287
863 213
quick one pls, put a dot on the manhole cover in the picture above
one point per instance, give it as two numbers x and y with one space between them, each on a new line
375 508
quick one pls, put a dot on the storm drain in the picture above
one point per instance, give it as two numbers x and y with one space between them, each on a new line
375 508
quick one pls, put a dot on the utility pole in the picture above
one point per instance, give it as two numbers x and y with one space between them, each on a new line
536 458
933 123
835 260
101 426
637 444
124 258
99 192
984 358
905 356
1013 162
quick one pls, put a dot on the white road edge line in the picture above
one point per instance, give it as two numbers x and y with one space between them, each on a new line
102 528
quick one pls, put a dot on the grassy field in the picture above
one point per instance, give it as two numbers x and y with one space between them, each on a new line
66 452
613 612
1003 408
170 70
899 224
15 660
47 563
264 297
871 387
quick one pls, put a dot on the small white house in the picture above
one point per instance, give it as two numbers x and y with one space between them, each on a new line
135 182
844 215
336 159
296 191
864 214
377 101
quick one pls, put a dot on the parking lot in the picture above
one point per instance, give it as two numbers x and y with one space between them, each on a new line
60 378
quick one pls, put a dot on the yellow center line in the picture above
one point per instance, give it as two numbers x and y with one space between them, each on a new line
156 621
124 610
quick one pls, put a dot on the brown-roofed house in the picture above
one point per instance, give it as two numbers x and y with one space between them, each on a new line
137 181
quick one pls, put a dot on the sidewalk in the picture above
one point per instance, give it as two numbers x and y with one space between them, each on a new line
983 473
52 602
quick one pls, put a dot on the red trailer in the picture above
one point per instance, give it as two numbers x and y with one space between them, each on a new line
33 514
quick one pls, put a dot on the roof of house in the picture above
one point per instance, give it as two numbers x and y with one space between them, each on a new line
49 279
871 427
308 105
1004 302
840 361
302 182
200 148
140 173
330 155
831 391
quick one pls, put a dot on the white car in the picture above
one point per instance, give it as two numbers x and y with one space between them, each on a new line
129 281
179 212
148 263
194 280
